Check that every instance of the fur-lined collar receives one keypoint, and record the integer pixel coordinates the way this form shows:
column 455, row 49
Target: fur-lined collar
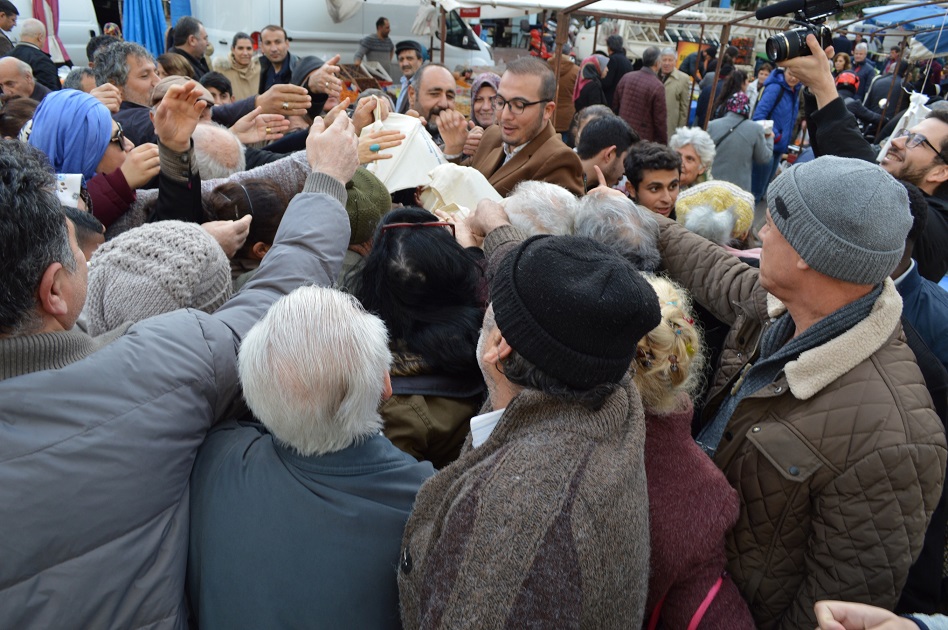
column 817, row 368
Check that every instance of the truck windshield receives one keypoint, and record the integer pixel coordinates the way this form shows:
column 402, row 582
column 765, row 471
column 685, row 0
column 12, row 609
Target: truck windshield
column 458, row 33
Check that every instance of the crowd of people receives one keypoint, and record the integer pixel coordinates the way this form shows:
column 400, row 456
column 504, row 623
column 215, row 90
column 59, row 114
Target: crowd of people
column 244, row 383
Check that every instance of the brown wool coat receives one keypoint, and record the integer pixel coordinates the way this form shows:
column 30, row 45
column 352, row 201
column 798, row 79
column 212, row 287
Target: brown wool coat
column 545, row 158
column 543, row 525
column 839, row 463
column 563, row 114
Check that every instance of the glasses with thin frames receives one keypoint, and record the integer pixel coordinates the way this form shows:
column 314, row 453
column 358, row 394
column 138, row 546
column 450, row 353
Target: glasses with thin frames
column 119, row 137
column 517, row 105
column 912, row 140
column 444, row 224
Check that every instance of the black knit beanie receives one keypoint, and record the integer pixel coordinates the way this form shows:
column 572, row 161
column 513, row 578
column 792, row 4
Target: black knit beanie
column 573, row 308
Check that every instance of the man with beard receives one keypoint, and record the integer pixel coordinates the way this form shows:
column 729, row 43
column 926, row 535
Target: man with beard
column 432, row 91
column 277, row 63
column 918, row 155
column 523, row 144
column 605, row 143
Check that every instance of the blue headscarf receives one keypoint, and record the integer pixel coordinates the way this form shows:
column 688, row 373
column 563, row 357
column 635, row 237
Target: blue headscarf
column 73, row 129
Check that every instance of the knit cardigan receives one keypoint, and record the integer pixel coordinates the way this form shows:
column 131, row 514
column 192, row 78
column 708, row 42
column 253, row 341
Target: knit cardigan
column 691, row 508
column 545, row 524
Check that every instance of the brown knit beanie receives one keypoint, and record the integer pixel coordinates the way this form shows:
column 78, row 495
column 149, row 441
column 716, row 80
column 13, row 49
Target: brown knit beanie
column 153, row 269
column 573, row 308
column 368, row 202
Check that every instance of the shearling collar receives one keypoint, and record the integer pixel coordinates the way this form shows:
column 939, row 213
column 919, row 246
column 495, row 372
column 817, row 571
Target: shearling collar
column 820, row 366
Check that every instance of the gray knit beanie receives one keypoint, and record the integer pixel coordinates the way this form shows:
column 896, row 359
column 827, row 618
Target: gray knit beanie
column 847, row 218
column 156, row 268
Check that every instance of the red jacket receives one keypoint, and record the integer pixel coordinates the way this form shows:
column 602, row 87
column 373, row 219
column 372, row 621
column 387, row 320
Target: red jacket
column 111, row 196
column 640, row 101
column 691, row 507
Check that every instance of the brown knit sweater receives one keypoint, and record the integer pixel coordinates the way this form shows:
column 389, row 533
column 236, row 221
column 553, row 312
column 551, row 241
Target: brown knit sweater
column 544, row 525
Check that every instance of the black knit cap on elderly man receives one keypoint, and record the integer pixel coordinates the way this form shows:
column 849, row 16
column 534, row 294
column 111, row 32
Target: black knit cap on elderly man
column 544, row 515
column 818, row 414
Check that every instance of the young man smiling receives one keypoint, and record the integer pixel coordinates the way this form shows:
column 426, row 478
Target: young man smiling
column 653, row 172
column 523, row 144
column 918, row 155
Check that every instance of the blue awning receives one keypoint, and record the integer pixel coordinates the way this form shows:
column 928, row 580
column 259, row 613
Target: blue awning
column 916, row 17
column 144, row 23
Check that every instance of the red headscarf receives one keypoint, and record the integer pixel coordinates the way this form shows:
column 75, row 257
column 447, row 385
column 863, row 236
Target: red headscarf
column 595, row 62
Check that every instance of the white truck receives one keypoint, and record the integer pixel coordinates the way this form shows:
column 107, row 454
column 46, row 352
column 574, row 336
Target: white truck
column 312, row 31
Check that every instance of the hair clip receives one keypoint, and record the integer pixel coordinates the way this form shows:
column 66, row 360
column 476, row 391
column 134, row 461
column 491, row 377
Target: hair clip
column 674, row 362
column 690, row 320
column 645, row 358
column 672, row 303
column 690, row 349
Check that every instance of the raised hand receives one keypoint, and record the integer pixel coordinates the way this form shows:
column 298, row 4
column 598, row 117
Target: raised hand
column 380, row 140
column 333, row 150
column 259, row 127
column 141, row 165
column 177, row 115
column 285, row 99
column 325, row 79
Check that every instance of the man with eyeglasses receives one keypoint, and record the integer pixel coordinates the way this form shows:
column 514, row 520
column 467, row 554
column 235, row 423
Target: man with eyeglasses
column 918, row 155
column 523, row 144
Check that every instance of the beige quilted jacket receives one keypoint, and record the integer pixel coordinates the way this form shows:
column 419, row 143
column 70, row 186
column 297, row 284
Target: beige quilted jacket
column 839, row 463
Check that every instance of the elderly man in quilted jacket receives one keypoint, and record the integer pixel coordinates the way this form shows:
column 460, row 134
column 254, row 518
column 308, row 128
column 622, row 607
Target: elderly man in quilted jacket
column 98, row 435
column 818, row 414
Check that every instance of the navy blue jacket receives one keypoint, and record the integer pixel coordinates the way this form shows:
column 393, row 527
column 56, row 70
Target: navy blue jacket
column 280, row 540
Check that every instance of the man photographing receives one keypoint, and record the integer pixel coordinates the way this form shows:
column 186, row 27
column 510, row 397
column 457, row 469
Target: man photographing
column 918, row 155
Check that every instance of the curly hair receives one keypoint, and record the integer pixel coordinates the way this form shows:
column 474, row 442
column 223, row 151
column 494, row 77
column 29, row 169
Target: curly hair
column 670, row 358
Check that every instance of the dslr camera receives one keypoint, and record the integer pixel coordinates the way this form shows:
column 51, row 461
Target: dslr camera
column 809, row 15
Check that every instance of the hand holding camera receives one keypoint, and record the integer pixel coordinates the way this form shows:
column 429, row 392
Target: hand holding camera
column 810, row 15
column 813, row 70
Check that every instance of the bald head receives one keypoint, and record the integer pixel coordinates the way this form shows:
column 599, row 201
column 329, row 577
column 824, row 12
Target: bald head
column 16, row 77
column 33, row 31
column 218, row 152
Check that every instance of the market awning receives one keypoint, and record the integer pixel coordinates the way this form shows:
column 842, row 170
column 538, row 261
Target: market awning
column 911, row 18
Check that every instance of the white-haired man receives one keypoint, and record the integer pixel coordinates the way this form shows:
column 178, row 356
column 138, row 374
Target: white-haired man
column 541, row 208
column 677, row 90
column 30, row 50
column 301, row 518
column 864, row 68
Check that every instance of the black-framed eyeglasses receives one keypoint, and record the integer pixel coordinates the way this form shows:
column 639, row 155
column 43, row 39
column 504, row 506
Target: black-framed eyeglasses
column 119, row 137
column 517, row 105
column 912, row 140
column 444, row 224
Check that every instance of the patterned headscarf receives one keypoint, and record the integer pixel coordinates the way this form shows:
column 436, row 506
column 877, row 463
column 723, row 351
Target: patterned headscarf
column 739, row 103
column 590, row 69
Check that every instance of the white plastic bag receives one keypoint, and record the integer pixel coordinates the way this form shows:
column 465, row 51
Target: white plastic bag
column 412, row 160
column 455, row 188
column 915, row 113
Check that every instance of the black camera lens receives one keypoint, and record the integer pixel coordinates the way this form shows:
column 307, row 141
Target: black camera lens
column 792, row 44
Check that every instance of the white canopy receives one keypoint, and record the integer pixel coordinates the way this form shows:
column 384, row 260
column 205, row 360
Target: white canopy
column 626, row 8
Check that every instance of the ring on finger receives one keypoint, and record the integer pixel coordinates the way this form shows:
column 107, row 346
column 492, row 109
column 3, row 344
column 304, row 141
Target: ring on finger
column 374, row 148
column 269, row 131
column 286, row 105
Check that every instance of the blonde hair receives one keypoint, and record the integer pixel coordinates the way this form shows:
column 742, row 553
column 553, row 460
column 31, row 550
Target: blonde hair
column 670, row 358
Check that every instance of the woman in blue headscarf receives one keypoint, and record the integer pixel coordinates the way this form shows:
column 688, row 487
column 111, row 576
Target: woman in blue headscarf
column 78, row 135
